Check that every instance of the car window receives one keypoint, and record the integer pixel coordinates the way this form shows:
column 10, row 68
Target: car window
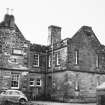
column 4, row 92
column 12, row 92
column 9, row 92
column 17, row 92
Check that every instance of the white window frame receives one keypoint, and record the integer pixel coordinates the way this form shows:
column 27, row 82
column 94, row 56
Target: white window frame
column 17, row 79
column 35, row 60
column 38, row 82
column 58, row 57
column 49, row 64
column 76, row 56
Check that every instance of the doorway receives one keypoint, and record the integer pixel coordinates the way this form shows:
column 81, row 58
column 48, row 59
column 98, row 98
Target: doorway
column 103, row 100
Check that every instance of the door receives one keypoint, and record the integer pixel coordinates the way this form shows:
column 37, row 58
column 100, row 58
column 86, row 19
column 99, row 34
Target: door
column 103, row 100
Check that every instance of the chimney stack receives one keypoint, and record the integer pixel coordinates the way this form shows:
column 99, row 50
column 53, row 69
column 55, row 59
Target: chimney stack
column 9, row 20
column 54, row 34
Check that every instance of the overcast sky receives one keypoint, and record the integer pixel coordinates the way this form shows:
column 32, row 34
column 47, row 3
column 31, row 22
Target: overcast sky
column 34, row 16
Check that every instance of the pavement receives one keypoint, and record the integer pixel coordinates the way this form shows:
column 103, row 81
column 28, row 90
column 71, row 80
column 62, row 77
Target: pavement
column 57, row 103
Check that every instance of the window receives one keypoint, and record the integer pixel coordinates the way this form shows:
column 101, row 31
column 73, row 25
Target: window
column 53, row 84
column 76, row 56
column 32, row 82
column 49, row 64
column 98, row 80
column 38, row 82
column 15, row 81
column 57, row 57
column 36, row 60
column 17, row 52
column 97, row 61
column 76, row 83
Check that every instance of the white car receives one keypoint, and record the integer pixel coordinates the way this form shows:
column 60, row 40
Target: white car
column 14, row 96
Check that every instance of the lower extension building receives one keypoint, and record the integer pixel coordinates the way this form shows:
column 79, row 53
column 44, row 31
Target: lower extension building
column 64, row 70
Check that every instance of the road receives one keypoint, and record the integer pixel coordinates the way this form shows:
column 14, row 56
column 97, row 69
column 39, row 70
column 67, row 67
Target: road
column 56, row 103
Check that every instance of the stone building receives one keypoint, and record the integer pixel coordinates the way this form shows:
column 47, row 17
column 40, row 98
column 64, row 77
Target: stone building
column 14, row 54
column 78, row 65
column 64, row 70
column 22, row 64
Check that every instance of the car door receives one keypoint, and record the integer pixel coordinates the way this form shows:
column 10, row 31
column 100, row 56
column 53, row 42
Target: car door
column 14, row 96
column 9, row 96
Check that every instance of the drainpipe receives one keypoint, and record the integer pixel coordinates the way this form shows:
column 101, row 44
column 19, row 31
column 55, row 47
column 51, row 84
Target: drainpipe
column 46, row 74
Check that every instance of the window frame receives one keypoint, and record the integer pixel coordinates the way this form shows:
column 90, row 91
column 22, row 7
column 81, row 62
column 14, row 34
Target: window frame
column 35, row 60
column 76, row 57
column 17, row 79
column 32, row 82
column 49, row 61
column 98, row 81
column 38, row 82
column 58, row 58
column 97, row 61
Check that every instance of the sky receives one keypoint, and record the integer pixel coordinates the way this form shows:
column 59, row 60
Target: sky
column 34, row 16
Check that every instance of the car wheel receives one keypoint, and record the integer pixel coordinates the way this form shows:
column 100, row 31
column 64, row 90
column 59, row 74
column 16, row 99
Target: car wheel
column 7, row 103
column 22, row 102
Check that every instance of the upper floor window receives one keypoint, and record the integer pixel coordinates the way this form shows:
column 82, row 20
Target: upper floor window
column 57, row 57
column 49, row 61
column 76, row 56
column 15, row 81
column 36, row 60
column 97, row 61
column 17, row 52
column 103, row 59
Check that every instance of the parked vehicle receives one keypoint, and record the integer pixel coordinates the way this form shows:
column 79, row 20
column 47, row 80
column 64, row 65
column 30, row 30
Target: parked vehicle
column 13, row 96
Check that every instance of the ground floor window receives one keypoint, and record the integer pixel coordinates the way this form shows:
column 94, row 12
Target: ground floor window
column 32, row 82
column 15, row 81
column 38, row 82
column 35, row 82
